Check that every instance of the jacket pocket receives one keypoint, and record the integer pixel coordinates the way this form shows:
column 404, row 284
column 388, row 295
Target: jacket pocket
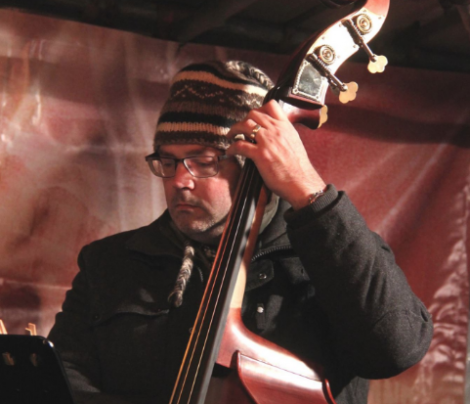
column 131, row 341
column 99, row 317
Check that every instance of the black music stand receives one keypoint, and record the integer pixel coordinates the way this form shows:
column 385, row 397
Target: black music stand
column 31, row 372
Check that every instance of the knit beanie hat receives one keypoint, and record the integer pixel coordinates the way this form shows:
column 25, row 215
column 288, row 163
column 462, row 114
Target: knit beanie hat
column 206, row 99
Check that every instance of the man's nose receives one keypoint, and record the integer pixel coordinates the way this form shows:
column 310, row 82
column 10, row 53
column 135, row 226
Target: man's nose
column 183, row 178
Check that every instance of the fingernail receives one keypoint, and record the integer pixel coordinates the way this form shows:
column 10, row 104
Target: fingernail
column 238, row 137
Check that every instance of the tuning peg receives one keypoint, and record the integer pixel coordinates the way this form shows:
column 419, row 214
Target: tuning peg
column 323, row 115
column 3, row 330
column 361, row 26
column 377, row 64
column 350, row 93
column 347, row 92
column 31, row 329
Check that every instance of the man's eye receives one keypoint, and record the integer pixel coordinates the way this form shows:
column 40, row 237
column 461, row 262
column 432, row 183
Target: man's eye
column 167, row 163
column 204, row 162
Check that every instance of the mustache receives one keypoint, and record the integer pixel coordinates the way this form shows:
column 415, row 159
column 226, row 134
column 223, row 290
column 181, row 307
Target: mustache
column 186, row 199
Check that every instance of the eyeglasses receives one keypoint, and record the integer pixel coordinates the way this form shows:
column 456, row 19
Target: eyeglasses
column 198, row 166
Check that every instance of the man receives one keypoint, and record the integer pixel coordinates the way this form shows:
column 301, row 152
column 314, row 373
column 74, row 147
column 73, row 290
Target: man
column 322, row 285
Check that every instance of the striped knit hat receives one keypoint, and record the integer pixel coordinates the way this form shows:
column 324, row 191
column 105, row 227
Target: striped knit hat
column 206, row 99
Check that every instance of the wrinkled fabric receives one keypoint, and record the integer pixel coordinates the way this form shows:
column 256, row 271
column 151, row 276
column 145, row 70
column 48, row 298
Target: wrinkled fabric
column 78, row 112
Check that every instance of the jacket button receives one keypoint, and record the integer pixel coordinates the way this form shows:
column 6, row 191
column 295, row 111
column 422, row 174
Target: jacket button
column 96, row 317
column 260, row 309
column 262, row 276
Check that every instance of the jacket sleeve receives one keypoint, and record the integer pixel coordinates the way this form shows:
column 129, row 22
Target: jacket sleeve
column 72, row 336
column 379, row 328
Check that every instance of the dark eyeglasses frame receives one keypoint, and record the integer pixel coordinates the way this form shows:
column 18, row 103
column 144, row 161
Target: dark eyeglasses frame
column 156, row 156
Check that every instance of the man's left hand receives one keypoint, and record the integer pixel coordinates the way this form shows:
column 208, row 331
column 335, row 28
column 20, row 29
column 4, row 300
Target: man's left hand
column 278, row 153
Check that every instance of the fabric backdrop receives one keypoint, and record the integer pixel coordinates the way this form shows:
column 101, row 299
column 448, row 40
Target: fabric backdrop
column 77, row 112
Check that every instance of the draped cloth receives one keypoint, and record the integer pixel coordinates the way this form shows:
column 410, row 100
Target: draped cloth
column 77, row 114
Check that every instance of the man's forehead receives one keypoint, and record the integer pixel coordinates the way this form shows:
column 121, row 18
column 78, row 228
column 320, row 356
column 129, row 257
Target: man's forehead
column 181, row 150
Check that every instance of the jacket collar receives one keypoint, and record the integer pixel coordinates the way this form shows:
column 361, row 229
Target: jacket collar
column 158, row 238
column 275, row 234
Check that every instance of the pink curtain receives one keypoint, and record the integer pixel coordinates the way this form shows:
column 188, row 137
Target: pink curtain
column 77, row 114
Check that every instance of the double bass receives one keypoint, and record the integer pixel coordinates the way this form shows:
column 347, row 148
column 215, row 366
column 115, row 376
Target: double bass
column 262, row 372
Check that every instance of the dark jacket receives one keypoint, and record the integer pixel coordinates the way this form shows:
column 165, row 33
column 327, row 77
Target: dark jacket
column 328, row 289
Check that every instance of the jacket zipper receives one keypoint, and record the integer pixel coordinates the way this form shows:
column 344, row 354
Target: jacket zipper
column 201, row 275
column 270, row 251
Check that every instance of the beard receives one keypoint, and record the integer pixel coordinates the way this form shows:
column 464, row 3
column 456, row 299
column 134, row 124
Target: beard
column 199, row 222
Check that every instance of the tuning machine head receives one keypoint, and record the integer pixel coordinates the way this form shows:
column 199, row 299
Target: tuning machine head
column 347, row 91
column 359, row 26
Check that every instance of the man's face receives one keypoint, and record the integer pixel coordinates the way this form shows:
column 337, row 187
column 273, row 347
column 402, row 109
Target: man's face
column 199, row 206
